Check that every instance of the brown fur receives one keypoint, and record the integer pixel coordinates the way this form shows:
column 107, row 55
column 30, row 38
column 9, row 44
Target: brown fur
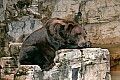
column 40, row 46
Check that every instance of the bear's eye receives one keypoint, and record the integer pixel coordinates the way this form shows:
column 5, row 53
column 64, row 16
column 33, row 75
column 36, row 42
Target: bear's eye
column 78, row 34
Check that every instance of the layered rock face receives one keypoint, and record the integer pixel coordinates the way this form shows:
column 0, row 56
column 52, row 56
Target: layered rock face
column 72, row 64
column 102, row 18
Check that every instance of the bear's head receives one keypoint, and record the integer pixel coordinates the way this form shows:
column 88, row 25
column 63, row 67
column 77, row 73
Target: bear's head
column 65, row 34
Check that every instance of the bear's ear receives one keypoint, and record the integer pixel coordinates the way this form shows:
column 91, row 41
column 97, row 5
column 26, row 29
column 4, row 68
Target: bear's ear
column 70, row 27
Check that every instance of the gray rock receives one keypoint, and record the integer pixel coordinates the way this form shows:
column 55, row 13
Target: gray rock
column 77, row 64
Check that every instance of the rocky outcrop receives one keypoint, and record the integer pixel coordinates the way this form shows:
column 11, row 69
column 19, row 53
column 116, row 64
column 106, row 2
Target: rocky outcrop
column 28, row 72
column 72, row 64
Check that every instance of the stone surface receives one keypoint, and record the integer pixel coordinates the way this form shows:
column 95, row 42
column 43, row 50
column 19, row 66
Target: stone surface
column 84, row 64
column 8, row 68
column 23, row 27
column 72, row 64
column 28, row 72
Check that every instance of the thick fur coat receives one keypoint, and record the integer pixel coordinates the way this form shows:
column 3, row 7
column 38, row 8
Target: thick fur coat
column 40, row 46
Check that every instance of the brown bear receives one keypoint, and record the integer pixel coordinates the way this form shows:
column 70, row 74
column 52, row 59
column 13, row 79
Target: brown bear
column 40, row 46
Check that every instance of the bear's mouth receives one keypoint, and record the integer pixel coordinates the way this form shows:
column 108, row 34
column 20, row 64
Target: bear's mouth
column 83, row 44
column 70, row 46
